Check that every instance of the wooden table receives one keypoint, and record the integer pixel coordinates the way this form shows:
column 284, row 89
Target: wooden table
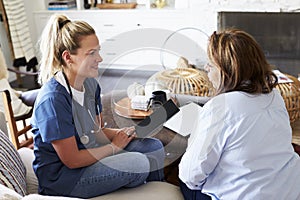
column 174, row 144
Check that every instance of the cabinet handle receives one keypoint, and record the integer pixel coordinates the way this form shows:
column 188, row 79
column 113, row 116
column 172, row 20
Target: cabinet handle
column 111, row 54
column 110, row 40
column 108, row 25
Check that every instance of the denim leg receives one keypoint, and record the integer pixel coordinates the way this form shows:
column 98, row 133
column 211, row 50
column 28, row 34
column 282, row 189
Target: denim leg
column 128, row 169
column 154, row 150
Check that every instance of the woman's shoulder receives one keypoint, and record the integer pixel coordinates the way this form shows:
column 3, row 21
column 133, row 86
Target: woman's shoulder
column 241, row 102
column 52, row 89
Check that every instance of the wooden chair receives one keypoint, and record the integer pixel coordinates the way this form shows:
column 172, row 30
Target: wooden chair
column 15, row 133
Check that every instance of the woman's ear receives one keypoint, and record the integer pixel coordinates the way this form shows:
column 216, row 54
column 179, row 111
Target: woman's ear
column 67, row 57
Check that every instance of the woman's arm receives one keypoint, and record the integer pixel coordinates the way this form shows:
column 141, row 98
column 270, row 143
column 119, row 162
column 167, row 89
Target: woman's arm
column 72, row 157
column 205, row 147
column 107, row 134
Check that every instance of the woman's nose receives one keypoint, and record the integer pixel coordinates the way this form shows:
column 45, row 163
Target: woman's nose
column 99, row 59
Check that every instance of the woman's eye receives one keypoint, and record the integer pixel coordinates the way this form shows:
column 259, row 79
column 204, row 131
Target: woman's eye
column 92, row 53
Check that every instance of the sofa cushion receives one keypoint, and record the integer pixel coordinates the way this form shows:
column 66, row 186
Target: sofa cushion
column 8, row 194
column 44, row 197
column 27, row 157
column 151, row 190
column 12, row 169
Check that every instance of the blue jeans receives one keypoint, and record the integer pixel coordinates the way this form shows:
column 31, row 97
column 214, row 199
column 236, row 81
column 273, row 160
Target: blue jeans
column 142, row 160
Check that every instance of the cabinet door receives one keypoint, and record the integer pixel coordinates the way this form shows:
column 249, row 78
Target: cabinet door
column 139, row 37
column 129, row 38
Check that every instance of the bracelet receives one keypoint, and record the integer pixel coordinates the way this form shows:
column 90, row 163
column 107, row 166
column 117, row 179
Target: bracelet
column 113, row 148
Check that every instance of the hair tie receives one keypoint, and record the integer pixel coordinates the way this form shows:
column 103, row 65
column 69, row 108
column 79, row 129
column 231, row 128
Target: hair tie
column 63, row 23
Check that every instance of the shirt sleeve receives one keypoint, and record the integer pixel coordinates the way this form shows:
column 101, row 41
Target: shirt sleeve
column 204, row 149
column 54, row 118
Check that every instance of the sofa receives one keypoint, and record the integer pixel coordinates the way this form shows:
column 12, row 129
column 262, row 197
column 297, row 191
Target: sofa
column 18, row 181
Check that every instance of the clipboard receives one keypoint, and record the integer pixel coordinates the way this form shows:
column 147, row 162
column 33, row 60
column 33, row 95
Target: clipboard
column 183, row 122
column 148, row 125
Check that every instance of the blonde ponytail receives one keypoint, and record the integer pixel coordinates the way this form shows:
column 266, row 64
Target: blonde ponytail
column 59, row 34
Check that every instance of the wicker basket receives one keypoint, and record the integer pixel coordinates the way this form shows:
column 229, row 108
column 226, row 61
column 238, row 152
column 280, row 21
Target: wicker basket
column 181, row 81
column 291, row 95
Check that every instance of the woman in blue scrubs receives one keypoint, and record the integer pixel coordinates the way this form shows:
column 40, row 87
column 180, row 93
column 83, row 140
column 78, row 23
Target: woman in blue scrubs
column 74, row 154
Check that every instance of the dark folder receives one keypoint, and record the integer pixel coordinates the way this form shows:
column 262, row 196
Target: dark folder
column 148, row 125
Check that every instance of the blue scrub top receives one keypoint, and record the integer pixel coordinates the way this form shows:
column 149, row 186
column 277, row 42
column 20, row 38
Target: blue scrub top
column 54, row 119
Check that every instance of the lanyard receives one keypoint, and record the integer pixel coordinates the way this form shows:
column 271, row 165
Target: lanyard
column 68, row 84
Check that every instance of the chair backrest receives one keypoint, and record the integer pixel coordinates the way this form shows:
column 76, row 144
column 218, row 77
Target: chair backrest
column 18, row 135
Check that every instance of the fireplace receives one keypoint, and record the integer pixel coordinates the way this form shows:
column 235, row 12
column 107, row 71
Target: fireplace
column 277, row 33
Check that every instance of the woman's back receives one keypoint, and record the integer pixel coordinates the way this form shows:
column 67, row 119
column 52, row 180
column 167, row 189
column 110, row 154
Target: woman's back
column 250, row 146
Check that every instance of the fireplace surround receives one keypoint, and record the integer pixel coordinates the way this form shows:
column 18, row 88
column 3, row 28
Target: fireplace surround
column 278, row 33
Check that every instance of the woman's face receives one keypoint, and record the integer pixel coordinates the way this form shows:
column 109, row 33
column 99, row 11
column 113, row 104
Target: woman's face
column 87, row 57
column 214, row 74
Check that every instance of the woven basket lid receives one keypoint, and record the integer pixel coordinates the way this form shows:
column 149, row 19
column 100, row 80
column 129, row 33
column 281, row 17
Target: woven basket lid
column 291, row 96
column 181, row 81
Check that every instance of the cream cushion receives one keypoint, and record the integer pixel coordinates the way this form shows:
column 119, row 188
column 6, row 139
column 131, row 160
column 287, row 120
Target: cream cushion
column 27, row 157
column 151, row 191
column 8, row 194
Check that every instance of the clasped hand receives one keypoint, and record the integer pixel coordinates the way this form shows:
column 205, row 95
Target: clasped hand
column 124, row 136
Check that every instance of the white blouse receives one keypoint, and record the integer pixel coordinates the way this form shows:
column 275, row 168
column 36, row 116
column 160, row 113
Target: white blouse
column 240, row 148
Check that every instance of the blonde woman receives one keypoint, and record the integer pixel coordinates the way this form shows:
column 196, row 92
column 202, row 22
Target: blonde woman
column 74, row 154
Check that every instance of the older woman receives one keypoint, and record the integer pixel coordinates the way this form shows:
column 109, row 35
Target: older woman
column 241, row 146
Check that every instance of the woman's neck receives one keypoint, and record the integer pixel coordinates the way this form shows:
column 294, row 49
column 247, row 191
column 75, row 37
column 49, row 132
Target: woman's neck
column 75, row 81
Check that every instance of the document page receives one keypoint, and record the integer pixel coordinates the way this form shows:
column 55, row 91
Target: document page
column 184, row 121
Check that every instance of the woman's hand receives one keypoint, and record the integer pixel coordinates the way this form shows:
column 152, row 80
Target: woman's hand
column 123, row 137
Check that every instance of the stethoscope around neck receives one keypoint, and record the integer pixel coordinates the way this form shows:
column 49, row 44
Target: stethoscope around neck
column 84, row 138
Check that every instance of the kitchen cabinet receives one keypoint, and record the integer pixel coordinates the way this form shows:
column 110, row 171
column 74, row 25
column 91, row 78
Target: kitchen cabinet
column 122, row 32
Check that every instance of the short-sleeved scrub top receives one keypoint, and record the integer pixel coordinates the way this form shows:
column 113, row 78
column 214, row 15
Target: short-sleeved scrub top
column 57, row 116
